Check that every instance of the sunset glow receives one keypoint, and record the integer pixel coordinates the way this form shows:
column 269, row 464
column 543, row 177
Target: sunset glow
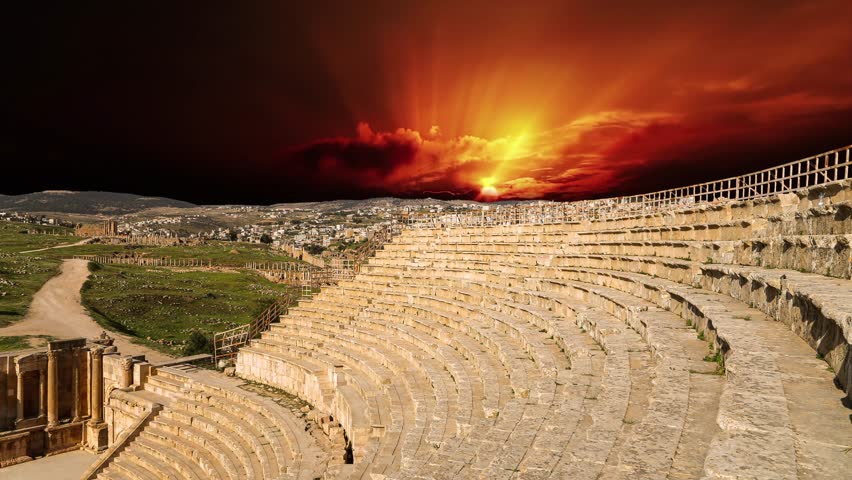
column 549, row 99
column 549, row 118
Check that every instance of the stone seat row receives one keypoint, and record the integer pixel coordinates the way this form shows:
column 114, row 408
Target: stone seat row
column 210, row 431
column 822, row 254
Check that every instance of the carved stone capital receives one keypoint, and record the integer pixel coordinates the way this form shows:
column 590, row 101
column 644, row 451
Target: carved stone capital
column 126, row 363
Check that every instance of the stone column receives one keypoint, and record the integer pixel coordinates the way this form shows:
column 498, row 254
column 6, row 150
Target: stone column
column 126, row 372
column 97, row 382
column 42, row 393
column 75, row 372
column 52, row 388
column 19, row 394
column 97, row 432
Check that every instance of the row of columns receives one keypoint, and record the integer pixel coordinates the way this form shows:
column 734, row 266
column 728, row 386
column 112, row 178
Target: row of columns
column 49, row 387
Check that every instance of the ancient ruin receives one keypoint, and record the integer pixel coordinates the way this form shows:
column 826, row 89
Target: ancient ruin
column 106, row 228
column 701, row 332
column 54, row 398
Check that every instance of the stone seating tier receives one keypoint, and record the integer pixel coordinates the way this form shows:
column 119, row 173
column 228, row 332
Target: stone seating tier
column 821, row 254
column 700, row 343
column 814, row 306
column 509, row 272
column 211, row 429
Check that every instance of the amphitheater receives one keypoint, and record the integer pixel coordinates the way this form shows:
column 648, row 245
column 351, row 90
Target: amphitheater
column 700, row 332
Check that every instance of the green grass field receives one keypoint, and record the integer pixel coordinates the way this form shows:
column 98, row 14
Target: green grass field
column 13, row 343
column 223, row 253
column 227, row 254
column 161, row 307
column 14, row 237
column 22, row 342
column 21, row 275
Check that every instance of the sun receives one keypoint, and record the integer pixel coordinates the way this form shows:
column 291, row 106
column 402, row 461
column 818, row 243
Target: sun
column 488, row 190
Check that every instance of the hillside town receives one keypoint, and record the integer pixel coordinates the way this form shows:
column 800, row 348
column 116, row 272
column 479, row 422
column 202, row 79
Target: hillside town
column 302, row 226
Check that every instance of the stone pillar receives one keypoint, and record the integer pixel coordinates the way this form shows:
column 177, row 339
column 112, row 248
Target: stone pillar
column 97, row 382
column 19, row 394
column 75, row 372
column 42, row 393
column 126, row 372
column 96, row 430
column 52, row 388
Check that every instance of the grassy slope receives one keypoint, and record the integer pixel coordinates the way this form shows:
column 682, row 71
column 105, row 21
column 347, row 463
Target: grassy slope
column 21, row 275
column 233, row 254
column 162, row 307
column 8, row 344
column 22, row 342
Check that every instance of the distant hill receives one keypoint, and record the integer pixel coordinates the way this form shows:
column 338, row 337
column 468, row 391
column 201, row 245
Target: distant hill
column 109, row 203
column 86, row 203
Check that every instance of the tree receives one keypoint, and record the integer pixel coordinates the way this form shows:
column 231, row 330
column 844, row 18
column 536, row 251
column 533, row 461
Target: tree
column 265, row 238
column 314, row 249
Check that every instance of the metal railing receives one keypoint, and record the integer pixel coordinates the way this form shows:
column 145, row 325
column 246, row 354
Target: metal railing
column 808, row 172
column 227, row 343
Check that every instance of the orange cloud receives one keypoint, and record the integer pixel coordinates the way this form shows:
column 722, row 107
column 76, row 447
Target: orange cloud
column 607, row 153
column 545, row 164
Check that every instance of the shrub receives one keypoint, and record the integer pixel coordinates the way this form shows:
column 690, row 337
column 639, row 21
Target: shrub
column 198, row 343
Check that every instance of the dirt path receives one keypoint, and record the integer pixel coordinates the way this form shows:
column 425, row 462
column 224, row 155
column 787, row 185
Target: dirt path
column 56, row 311
column 66, row 245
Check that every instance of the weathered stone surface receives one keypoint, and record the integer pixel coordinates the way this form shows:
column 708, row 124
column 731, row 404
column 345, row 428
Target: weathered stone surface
column 699, row 343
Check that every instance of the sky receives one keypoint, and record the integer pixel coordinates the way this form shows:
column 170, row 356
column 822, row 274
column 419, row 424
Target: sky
column 263, row 102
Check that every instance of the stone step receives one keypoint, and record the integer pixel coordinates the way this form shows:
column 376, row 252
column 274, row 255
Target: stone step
column 126, row 465
column 165, row 386
column 204, row 460
column 150, row 464
column 180, row 424
column 185, row 467
column 208, row 419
